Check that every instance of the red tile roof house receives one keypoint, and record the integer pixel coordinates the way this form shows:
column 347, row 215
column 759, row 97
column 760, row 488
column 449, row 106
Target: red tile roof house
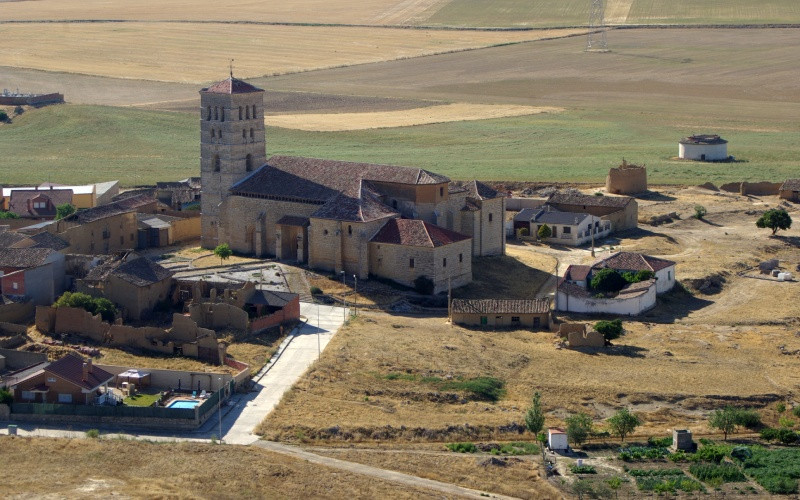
column 70, row 380
column 36, row 273
column 574, row 294
column 38, row 203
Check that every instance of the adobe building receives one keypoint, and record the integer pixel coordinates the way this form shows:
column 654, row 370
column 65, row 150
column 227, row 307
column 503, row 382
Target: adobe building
column 326, row 213
column 500, row 313
column 627, row 179
column 621, row 211
column 790, row 190
column 705, row 147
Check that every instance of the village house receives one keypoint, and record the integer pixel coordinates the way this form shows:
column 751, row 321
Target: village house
column 575, row 294
column 502, row 313
column 83, row 196
column 621, row 211
column 38, row 204
column 70, row 380
column 566, row 228
column 134, row 283
column 790, row 190
column 35, row 273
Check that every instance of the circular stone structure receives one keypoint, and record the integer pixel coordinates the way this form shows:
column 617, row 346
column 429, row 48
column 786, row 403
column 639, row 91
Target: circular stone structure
column 705, row 147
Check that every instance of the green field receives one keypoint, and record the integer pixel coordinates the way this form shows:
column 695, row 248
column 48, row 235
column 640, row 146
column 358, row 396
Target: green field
column 548, row 13
column 76, row 144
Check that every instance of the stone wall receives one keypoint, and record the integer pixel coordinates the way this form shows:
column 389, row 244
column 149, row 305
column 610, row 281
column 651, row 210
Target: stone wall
column 17, row 360
column 16, row 312
column 394, row 262
column 184, row 229
column 249, row 226
column 219, row 315
column 752, row 188
column 589, row 338
column 627, row 179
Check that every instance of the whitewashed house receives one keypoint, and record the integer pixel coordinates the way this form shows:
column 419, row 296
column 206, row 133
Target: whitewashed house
column 567, row 228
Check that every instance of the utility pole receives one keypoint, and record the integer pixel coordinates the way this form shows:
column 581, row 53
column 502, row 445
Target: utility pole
column 319, row 329
column 592, row 229
column 449, row 301
column 597, row 32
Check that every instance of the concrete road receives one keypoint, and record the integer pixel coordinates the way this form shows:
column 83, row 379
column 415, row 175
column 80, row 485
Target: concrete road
column 291, row 361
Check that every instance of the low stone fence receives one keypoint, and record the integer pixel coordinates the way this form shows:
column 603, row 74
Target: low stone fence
column 16, row 312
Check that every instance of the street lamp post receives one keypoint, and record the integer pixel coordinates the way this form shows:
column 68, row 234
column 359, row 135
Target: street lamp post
column 355, row 298
column 319, row 327
column 344, row 299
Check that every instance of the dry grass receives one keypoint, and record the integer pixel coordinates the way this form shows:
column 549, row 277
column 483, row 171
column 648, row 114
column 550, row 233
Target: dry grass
column 214, row 261
column 201, row 52
column 517, row 275
column 88, row 468
column 668, row 373
column 370, row 293
column 518, row 478
column 332, row 122
column 256, row 350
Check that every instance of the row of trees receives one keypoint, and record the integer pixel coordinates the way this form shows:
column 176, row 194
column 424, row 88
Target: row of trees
column 623, row 422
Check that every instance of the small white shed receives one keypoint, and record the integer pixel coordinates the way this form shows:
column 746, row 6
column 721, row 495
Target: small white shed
column 557, row 439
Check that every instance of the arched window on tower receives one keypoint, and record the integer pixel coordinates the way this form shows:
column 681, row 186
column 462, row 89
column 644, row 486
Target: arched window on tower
column 247, row 112
column 217, row 163
column 248, row 163
column 213, row 134
column 244, row 135
column 254, row 111
column 240, row 112
column 252, row 136
column 216, row 113
column 208, row 115
column 222, row 114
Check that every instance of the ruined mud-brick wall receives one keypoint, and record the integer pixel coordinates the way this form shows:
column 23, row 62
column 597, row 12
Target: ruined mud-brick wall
column 627, row 179
column 753, row 188
column 590, row 339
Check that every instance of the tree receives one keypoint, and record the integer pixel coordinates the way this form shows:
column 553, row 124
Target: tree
column 699, row 212
column 608, row 280
column 8, row 215
column 775, row 218
column 610, row 330
column 623, row 423
column 578, row 428
column 223, row 251
column 544, row 232
column 4, row 117
column 64, row 210
column 534, row 417
column 724, row 420
column 6, row 398
column 104, row 307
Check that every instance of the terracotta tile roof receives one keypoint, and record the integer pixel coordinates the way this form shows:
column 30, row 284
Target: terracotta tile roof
column 572, row 289
column 791, row 185
column 630, row 261
column 23, row 258
column 118, row 207
column 49, row 240
column 22, row 201
column 231, row 86
column 577, row 273
column 318, row 180
column 270, row 298
column 416, row 233
column 501, row 306
column 10, row 238
column 703, row 139
column 364, row 208
column 70, row 368
column 138, row 271
column 589, row 201
column 470, row 206
column 637, row 288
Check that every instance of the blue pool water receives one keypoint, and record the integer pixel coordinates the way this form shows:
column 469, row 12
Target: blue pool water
column 183, row 404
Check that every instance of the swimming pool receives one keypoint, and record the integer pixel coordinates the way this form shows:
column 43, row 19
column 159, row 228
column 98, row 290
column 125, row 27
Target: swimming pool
column 183, row 404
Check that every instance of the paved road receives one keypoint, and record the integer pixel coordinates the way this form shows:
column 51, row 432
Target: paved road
column 294, row 357
column 367, row 470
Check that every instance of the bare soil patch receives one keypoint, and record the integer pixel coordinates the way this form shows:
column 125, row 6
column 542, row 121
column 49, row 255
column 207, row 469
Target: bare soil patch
column 456, row 112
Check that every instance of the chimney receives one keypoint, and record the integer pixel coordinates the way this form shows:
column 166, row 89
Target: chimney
column 89, row 364
column 85, row 372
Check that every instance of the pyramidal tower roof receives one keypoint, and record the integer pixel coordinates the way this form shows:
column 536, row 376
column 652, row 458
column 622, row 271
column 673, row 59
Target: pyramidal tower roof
column 231, row 86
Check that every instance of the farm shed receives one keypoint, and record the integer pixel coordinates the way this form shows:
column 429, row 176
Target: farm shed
column 790, row 190
column 531, row 313
column 557, row 440
column 706, row 147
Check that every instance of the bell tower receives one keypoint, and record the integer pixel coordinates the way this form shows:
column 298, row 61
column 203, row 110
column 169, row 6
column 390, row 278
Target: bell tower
column 232, row 144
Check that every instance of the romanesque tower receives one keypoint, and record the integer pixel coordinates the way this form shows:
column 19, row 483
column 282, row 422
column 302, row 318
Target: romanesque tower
column 232, row 144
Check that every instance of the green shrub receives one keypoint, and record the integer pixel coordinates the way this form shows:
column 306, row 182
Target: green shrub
column 727, row 472
column 635, row 453
column 6, row 398
column 544, row 232
column 664, row 442
column 3, row 116
column 710, row 453
column 777, row 470
column 796, row 411
column 462, row 447
column 610, row 330
column 748, row 418
column 315, row 290
column 655, row 472
column 787, row 436
column 481, row 388
column 424, row 285
column 583, row 469
column 608, row 281
column 8, row 215
column 678, row 456
column 93, row 433
column 780, row 407
column 769, row 434
column 786, row 422
column 516, row 448
column 638, row 276
column 104, row 307
column 699, row 212
column 741, row 453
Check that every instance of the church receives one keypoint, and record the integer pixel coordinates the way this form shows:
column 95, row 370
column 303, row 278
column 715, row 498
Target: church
column 363, row 219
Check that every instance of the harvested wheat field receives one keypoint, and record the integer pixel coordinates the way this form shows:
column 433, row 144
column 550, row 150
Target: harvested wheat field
column 456, row 112
column 89, row 468
column 184, row 52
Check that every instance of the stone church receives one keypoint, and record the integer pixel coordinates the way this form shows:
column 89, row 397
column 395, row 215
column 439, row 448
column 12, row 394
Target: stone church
column 361, row 218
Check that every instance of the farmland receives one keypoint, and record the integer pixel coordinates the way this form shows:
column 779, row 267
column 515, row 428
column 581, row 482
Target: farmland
column 502, row 13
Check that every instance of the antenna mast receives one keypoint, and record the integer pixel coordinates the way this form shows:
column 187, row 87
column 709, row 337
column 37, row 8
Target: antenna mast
column 597, row 33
